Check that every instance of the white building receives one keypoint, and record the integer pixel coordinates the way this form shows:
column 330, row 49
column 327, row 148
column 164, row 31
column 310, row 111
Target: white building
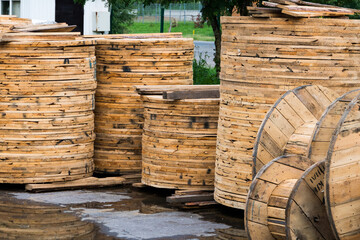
column 59, row 11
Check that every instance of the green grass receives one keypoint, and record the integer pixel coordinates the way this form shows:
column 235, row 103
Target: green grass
column 203, row 73
column 201, row 34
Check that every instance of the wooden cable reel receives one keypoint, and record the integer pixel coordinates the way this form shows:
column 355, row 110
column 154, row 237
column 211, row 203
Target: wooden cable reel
column 262, row 58
column 293, row 208
column 122, row 64
column 179, row 141
column 46, row 110
column 342, row 195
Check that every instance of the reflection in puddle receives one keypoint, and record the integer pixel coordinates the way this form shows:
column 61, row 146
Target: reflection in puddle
column 72, row 197
column 107, row 214
column 231, row 234
column 29, row 220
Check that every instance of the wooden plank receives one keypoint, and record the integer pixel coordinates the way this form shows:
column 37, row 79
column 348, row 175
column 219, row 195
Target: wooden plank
column 190, row 198
column 90, row 182
column 159, row 90
column 192, row 94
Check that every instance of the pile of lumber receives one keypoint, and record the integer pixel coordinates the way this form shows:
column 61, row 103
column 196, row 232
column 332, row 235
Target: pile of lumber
column 121, row 64
column 7, row 22
column 14, row 24
column 31, row 220
column 299, row 9
column 192, row 198
column 46, row 101
column 262, row 58
column 179, row 137
column 306, row 165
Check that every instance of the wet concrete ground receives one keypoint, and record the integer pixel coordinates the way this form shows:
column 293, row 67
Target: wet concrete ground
column 111, row 213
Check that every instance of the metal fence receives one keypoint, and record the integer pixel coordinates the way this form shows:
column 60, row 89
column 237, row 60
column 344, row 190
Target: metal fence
column 175, row 11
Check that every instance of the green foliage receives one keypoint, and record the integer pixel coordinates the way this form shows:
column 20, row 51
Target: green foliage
column 82, row 2
column 203, row 73
column 341, row 3
column 122, row 16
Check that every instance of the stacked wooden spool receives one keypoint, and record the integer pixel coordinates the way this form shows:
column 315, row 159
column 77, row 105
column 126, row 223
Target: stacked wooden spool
column 179, row 138
column 121, row 64
column 29, row 220
column 261, row 59
column 286, row 199
column 46, row 104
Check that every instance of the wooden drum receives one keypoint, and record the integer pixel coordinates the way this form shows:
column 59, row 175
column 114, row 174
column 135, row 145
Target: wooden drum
column 179, row 141
column 121, row 64
column 46, row 110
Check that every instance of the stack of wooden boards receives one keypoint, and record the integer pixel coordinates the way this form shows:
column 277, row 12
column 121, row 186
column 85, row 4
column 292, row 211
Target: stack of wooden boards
column 299, row 8
column 306, row 165
column 22, row 220
column 7, row 23
column 261, row 59
column 179, row 138
column 10, row 23
column 121, row 64
column 46, row 102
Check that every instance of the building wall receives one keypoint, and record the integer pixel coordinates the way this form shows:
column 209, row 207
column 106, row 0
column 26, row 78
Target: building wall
column 89, row 8
column 43, row 10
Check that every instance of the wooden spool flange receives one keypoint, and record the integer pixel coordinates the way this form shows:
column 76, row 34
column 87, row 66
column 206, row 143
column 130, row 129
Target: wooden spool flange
column 295, row 208
column 342, row 191
column 289, row 125
column 286, row 202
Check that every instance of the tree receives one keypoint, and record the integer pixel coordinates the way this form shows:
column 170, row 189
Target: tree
column 341, row 3
column 121, row 14
column 211, row 11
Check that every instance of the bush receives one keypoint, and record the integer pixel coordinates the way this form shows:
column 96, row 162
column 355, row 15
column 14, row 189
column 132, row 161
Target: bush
column 203, row 73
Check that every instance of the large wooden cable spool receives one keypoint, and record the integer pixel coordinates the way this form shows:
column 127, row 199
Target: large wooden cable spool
column 179, row 139
column 46, row 110
column 289, row 124
column 342, row 195
column 121, row 64
column 325, row 127
column 296, row 208
column 261, row 60
column 286, row 201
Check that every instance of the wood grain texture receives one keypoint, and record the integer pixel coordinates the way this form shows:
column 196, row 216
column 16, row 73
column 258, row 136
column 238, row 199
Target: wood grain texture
column 268, row 196
column 30, row 220
column 179, row 142
column 46, row 103
column 289, row 125
column 342, row 195
column 122, row 64
column 261, row 60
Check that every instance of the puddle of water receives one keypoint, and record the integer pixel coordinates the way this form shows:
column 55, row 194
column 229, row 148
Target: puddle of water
column 72, row 197
column 107, row 214
column 136, row 225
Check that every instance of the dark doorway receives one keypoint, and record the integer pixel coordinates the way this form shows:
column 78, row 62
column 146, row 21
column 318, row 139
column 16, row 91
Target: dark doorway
column 71, row 13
